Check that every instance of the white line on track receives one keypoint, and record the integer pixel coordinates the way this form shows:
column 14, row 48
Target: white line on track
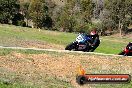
column 52, row 50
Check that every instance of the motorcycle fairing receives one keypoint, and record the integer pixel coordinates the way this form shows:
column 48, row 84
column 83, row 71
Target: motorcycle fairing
column 82, row 38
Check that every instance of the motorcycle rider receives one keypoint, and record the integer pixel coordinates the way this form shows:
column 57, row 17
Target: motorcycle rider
column 94, row 40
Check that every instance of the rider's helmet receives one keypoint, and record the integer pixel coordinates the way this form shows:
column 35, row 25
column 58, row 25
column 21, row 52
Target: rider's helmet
column 93, row 33
column 129, row 46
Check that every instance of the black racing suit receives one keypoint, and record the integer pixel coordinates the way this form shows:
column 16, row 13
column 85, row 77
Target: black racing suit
column 95, row 42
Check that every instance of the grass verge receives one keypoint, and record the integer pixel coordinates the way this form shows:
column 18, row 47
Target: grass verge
column 20, row 36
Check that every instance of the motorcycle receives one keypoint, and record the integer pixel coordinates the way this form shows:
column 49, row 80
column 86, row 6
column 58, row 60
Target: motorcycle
column 127, row 51
column 82, row 43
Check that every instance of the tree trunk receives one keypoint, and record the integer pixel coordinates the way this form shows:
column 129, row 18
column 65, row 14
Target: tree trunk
column 119, row 28
column 27, row 22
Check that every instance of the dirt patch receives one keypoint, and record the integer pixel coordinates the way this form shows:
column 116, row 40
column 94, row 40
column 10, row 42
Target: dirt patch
column 33, row 66
column 43, row 45
column 32, row 44
column 115, row 40
column 128, row 36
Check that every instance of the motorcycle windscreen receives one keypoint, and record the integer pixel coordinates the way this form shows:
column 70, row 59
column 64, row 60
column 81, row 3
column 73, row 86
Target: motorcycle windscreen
column 80, row 38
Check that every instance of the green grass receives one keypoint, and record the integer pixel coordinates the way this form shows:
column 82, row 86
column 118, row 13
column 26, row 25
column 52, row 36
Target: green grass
column 4, row 52
column 110, row 47
column 11, row 35
column 3, row 85
column 15, row 33
column 125, row 85
column 50, row 82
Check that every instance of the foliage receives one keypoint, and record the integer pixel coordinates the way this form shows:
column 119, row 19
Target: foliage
column 21, row 23
column 65, row 19
column 8, row 8
column 18, row 20
column 119, row 10
column 24, row 9
column 87, row 10
column 37, row 12
column 98, row 8
column 75, row 16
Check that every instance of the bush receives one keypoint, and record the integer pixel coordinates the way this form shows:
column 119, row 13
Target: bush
column 106, row 26
column 47, row 22
column 21, row 23
column 65, row 20
column 8, row 8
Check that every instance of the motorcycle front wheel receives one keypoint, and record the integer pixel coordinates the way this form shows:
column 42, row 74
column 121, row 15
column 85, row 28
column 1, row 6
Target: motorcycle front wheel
column 71, row 46
column 121, row 53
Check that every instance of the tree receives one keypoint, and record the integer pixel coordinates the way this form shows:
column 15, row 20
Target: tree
column 47, row 22
column 98, row 8
column 38, row 11
column 24, row 9
column 119, row 10
column 87, row 8
column 8, row 8
column 75, row 16
column 65, row 19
